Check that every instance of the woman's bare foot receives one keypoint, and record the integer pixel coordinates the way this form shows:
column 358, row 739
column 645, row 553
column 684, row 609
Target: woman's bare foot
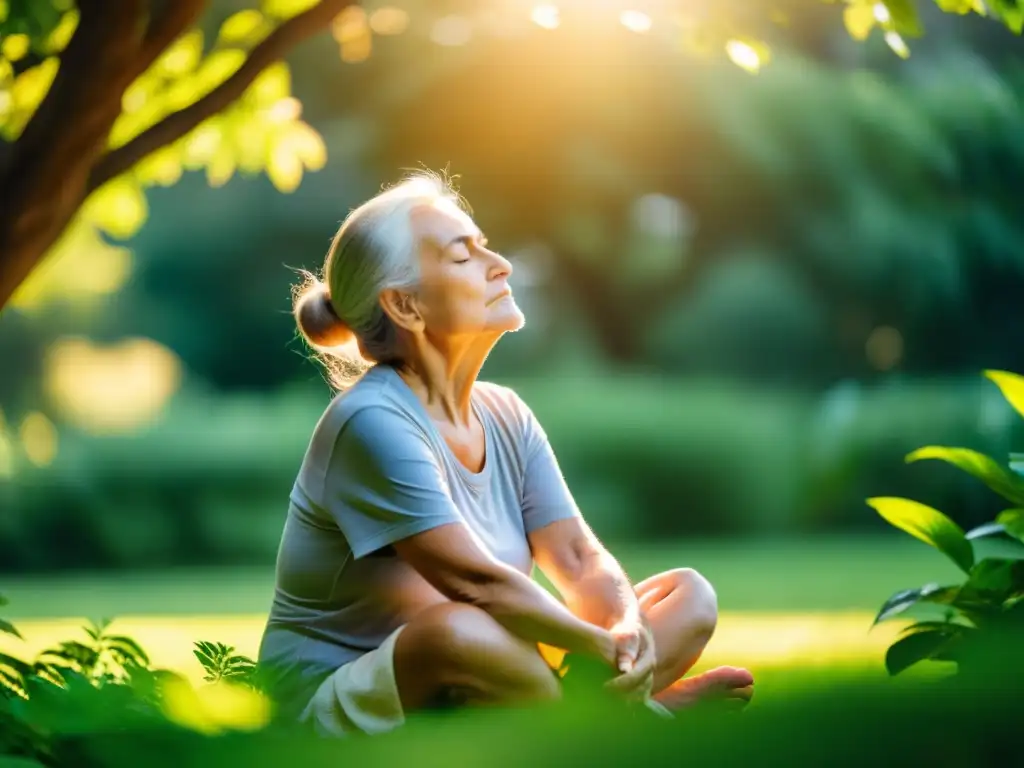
column 734, row 685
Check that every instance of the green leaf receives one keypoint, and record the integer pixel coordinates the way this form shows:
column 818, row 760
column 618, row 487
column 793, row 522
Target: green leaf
column 9, row 629
column 15, row 47
column 284, row 9
column 284, row 166
column 241, row 26
column 6, row 761
column 961, row 7
column 1012, row 521
column 990, row 577
column 308, row 146
column 898, row 45
column 929, row 525
column 904, row 599
column 119, row 207
column 993, row 581
column 988, row 529
column 859, row 19
column 904, row 16
column 1000, row 479
column 916, row 647
column 1012, row 387
column 129, row 648
column 272, row 84
column 1008, row 523
column 13, row 662
column 182, row 56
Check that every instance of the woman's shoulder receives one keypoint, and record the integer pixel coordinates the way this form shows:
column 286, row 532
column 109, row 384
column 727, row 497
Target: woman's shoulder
column 504, row 403
column 374, row 402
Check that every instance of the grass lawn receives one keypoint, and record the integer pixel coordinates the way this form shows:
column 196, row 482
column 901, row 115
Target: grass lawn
column 785, row 605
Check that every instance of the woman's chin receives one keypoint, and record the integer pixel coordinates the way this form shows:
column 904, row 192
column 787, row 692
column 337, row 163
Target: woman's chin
column 506, row 317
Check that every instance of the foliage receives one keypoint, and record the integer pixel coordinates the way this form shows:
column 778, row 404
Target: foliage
column 161, row 721
column 984, row 615
column 224, row 105
column 106, row 684
column 759, row 462
column 261, row 131
column 222, row 663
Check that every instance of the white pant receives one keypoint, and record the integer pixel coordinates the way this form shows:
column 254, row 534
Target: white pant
column 359, row 697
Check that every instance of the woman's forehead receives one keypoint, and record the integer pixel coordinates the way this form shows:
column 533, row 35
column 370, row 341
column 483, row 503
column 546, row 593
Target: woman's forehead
column 442, row 221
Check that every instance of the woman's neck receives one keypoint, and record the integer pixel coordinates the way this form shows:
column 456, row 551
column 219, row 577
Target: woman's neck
column 444, row 379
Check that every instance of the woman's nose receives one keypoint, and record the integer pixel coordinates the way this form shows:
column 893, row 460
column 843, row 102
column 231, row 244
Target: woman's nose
column 502, row 267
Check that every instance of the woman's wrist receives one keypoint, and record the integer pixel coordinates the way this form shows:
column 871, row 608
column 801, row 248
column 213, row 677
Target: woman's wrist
column 600, row 643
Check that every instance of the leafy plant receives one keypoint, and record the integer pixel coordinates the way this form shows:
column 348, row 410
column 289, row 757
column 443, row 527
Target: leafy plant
column 222, row 663
column 12, row 669
column 103, row 657
column 983, row 615
column 105, row 684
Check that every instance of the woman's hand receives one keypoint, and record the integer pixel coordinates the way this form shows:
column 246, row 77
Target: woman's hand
column 635, row 660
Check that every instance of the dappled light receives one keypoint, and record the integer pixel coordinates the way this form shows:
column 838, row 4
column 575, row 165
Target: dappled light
column 110, row 388
column 39, row 439
column 761, row 641
column 82, row 268
column 546, row 16
column 770, row 261
column 635, row 21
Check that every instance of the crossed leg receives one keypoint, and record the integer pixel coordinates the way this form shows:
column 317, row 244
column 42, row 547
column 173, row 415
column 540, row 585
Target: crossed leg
column 456, row 653
column 682, row 610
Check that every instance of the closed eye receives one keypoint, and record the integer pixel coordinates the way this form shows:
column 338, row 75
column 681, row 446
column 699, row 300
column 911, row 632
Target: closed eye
column 470, row 242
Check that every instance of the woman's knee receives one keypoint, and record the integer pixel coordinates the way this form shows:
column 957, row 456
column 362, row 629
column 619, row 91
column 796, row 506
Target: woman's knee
column 699, row 597
column 453, row 645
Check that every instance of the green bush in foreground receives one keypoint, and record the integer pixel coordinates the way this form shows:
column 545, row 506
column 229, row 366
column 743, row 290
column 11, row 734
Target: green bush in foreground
column 97, row 702
column 987, row 608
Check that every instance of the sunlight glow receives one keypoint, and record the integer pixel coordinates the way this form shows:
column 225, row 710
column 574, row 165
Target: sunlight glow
column 352, row 32
column 898, row 44
column 882, row 13
column 743, row 55
column 451, row 31
column 756, row 640
column 285, row 110
column 350, row 24
column 546, row 16
column 884, row 348
column 81, row 267
column 6, row 451
column 389, row 21
column 39, row 439
column 635, row 21
column 110, row 389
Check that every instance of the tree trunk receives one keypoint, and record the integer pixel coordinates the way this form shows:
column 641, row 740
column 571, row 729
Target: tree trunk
column 45, row 181
column 61, row 157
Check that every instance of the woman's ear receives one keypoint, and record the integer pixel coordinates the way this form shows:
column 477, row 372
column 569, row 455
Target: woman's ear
column 402, row 309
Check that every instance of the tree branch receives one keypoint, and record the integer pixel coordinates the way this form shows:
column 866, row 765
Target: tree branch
column 45, row 172
column 167, row 20
column 274, row 47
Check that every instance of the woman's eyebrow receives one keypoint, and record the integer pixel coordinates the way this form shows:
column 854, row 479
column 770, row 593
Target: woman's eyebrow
column 462, row 238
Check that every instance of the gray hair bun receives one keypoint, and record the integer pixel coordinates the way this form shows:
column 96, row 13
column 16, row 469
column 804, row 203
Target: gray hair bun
column 317, row 319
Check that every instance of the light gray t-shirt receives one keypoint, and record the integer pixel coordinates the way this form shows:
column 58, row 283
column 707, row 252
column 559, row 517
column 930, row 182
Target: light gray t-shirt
column 377, row 471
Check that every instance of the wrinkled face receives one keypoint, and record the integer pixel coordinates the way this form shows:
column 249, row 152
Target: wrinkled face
column 464, row 288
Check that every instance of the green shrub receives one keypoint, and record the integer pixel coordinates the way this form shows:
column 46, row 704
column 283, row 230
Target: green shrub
column 647, row 458
column 145, row 717
column 983, row 617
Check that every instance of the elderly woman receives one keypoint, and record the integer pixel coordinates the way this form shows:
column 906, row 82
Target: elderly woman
column 426, row 497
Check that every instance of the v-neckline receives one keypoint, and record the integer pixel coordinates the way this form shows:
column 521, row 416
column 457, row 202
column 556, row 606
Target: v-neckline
column 473, row 479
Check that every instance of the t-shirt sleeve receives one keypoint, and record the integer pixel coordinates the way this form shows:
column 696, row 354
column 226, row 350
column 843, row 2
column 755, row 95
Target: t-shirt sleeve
column 546, row 496
column 384, row 483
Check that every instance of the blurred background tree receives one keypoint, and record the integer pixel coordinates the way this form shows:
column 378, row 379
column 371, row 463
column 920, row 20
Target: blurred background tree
column 748, row 296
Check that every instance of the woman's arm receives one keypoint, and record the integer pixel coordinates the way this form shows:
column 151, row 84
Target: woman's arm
column 458, row 566
column 590, row 580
